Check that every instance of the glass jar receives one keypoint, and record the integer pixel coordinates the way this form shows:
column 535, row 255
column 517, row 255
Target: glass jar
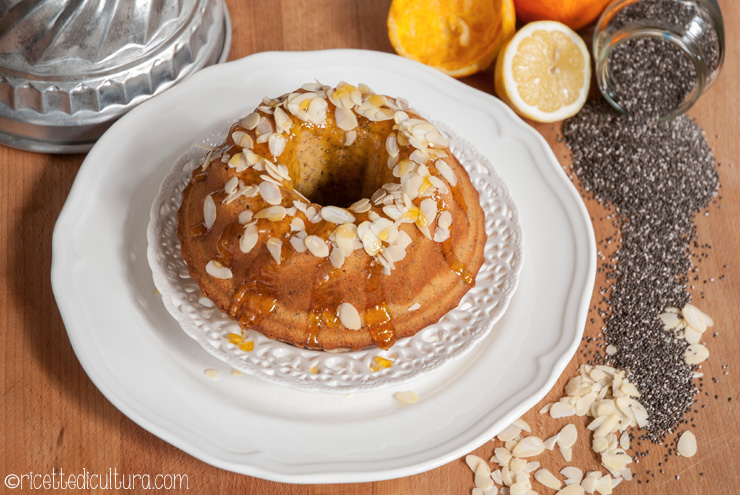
column 658, row 56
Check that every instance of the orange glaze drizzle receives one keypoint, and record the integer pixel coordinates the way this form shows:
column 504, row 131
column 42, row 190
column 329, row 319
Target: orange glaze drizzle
column 378, row 318
column 323, row 308
column 254, row 299
column 228, row 243
column 198, row 231
column 377, row 315
column 455, row 265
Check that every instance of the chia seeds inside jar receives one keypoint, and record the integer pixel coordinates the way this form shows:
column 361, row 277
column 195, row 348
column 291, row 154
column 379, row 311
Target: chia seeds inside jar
column 657, row 57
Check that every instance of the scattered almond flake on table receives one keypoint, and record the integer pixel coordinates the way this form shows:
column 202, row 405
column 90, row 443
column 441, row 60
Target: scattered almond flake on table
column 546, row 478
column 562, row 410
column 687, row 444
column 572, row 490
column 573, row 475
column 522, row 425
column 529, row 447
column 211, row 373
column 696, row 354
column 509, row 433
column 481, row 470
column 552, row 441
column 567, row 436
column 603, row 393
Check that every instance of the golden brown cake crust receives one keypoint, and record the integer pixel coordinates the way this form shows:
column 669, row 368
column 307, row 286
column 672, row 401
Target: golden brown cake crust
column 379, row 265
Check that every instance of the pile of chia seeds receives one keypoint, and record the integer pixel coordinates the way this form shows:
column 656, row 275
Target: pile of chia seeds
column 656, row 176
column 651, row 75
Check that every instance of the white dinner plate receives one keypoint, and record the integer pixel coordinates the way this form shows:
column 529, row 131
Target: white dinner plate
column 138, row 356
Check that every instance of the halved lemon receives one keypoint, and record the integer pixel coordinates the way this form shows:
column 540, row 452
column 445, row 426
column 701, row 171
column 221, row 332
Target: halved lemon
column 544, row 72
column 457, row 37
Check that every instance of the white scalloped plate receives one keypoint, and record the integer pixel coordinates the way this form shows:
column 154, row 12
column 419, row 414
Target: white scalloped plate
column 138, row 356
column 339, row 372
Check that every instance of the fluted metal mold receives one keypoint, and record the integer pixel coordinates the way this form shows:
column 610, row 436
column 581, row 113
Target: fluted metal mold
column 70, row 68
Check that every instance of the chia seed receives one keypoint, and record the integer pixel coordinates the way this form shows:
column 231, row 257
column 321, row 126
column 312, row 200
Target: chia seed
column 643, row 70
column 652, row 75
column 656, row 176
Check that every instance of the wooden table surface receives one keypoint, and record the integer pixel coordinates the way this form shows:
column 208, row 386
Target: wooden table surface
column 52, row 416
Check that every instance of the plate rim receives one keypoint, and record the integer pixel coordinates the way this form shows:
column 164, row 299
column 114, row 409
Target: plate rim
column 575, row 312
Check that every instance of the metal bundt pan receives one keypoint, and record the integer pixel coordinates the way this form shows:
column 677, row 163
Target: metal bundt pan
column 70, row 68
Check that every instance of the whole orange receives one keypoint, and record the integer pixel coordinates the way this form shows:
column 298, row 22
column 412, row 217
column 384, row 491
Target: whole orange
column 573, row 13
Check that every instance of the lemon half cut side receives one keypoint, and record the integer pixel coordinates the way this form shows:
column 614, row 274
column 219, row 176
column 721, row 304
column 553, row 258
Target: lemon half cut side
column 544, row 72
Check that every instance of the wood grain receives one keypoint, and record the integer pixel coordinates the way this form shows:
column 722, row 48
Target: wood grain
column 53, row 417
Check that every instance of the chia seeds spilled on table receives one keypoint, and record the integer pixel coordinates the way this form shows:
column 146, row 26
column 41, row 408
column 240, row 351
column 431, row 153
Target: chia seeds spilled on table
column 656, row 176
column 652, row 75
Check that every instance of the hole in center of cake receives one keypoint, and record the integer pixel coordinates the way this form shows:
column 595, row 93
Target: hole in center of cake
column 331, row 174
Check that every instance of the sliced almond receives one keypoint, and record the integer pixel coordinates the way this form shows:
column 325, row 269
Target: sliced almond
column 561, row 410
column 694, row 317
column 696, row 354
column 317, row 246
column 517, row 464
column 209, row 212
column 566, row 453
column 275, row 246
column 482, row 472
column 346, row 119
column 509, row 433
column 408, row 397
column 670, row 320
column 573, row 475
column 502, row 456
column 349, row 138
column 336, row 215
column 548, row 479
column 604, row 485
column 691, row 335
column 568, row 436
column 349, row 316
column 624, row 441
column 473, row 461
column 518, row 488
column 599, row 445
column 615, row 462
column 552, row 441
column 272, row 213
column 571, row 490
column 609, row 425
column 217, row 270
column 589, row 484
column 276, row 144
column 250, row 121
column 687, row 444
column 529, row 447
column 283, row 122
column 270, row 193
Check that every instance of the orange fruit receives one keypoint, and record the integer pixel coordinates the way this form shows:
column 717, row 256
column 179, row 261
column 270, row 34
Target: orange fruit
column 457, row 37
column 573, row 13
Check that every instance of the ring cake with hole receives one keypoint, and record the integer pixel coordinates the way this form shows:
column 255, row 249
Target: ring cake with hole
column 333, row 218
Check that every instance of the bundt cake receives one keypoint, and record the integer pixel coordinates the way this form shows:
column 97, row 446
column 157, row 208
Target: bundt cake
column 332, row 218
